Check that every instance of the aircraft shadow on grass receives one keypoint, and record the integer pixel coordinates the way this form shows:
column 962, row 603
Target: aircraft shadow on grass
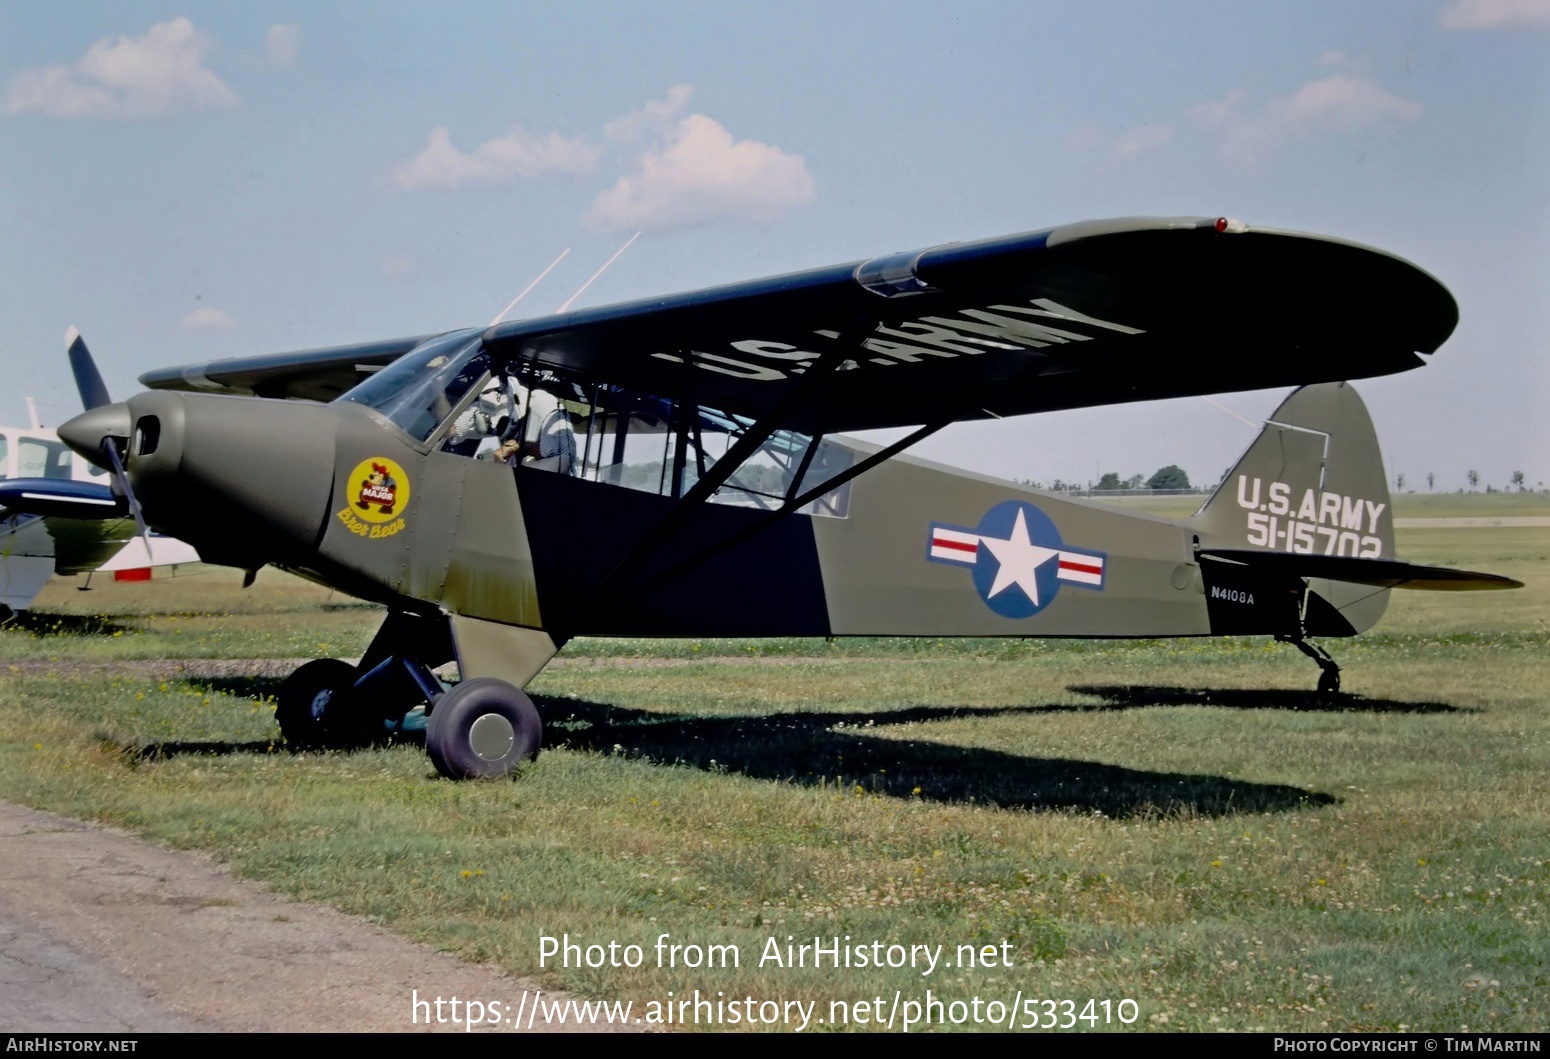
column 1137, row 696
column 812, row 749
column 843, row 750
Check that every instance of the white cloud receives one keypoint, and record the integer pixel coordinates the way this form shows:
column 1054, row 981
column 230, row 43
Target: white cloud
column 1119, row 146
column 282, row 45
column 656, row 117
column 1495, row 14
column 208, row 319
column 688, row 171
column 161, row 72
column 518, row 154
column 1340, row 104
column 700, row 177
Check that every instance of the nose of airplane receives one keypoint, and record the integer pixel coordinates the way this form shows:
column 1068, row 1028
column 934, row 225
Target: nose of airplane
column 85, row 432
column 244, row 480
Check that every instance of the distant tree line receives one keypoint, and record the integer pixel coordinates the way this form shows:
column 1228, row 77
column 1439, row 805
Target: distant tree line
column 1518, row 482
column 1169, row 477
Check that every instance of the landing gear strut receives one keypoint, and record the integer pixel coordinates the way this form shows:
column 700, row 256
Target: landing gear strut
column 1329, row 672
column 478, row 729
column 328, row 704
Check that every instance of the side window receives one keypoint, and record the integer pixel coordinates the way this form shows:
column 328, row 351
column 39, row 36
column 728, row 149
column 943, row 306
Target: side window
column 620, row 437
column 5, row 457
column 36, row 458
column 665, row 447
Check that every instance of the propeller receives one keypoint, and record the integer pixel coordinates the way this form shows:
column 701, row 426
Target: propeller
column 88, row 380
column 94, row 394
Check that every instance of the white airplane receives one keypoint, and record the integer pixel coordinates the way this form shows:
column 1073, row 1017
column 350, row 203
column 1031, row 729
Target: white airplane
column 37, row 466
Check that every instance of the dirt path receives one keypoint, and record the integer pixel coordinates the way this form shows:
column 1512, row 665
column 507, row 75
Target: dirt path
column 100, row 932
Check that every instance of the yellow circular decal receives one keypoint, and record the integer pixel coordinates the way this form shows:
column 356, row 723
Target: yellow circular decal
column 378, row 491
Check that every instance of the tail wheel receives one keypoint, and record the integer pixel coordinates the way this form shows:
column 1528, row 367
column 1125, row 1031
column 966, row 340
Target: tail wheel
column 482, row 729
column 313, row 704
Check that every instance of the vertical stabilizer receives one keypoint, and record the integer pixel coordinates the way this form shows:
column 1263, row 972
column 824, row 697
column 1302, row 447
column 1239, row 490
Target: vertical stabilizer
column 1312, row 483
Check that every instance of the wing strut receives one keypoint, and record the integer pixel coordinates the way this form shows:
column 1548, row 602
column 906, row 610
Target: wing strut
column 792, row 504
column 839, row 350
column 795, row 503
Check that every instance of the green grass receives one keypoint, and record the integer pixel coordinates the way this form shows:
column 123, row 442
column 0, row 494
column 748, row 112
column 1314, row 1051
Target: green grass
column 1470, row 505
column 1179, row 822
column 201, row 613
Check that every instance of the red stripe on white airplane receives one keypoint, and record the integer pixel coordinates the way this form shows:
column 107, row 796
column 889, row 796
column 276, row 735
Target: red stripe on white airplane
column 954, row 545
column 1083, row 569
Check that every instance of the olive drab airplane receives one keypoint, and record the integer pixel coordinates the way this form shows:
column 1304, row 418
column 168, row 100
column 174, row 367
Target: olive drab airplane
column 673, row 467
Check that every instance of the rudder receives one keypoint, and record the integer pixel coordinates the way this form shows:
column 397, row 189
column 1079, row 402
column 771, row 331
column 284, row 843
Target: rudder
column 1312, row 483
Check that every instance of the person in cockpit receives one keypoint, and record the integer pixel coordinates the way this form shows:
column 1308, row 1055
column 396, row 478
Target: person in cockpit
column 544, row 437
column 548, row 440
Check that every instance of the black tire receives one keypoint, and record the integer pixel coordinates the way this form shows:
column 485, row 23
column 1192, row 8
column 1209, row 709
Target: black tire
column 482, row 729
column 312, row 705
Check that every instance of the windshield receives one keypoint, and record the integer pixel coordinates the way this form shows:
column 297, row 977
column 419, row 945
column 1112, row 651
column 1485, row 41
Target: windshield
column 421, row 388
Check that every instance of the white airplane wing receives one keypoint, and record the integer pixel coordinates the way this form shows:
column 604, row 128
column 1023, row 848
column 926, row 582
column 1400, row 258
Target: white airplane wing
column 162, row 551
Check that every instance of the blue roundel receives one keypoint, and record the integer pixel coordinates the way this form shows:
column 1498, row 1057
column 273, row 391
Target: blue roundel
column 1013, row 600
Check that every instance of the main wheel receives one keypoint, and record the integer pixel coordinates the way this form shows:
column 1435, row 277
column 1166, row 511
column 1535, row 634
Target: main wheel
column 313, row 707
column 482, row 729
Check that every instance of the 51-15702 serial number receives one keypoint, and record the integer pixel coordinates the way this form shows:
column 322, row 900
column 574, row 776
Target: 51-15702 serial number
column 1306, row 538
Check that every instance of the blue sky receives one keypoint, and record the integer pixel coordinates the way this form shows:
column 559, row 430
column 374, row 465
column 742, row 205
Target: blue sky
column 199, row 180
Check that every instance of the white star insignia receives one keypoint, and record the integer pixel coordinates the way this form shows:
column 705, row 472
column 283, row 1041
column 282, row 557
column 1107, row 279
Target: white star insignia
column 1020, row 560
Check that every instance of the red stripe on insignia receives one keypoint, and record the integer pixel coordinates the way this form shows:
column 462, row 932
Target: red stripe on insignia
column 1081, row 568
column 938, row 542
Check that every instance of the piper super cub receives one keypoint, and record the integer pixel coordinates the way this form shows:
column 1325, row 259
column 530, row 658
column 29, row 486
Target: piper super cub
column 672, row 467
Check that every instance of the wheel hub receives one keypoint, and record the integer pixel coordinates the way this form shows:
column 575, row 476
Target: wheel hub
column 492, row 736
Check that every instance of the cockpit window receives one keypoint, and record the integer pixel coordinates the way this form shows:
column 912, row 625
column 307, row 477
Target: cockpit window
column 526, row 422
column 420, row 389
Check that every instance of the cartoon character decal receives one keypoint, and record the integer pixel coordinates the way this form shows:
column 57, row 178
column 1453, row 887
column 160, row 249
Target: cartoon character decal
column 379, row 489
column 377, row 495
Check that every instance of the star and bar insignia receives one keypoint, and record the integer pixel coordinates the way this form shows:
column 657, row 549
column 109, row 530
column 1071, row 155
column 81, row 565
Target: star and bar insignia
column 1019, row 560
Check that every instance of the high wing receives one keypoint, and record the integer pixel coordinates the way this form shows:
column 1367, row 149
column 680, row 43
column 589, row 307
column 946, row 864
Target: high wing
column 1085, row 314
column 307, row 374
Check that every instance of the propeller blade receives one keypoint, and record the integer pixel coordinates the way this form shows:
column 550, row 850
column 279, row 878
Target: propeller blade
column 123, row 480
column 88, row 380
column 94, row 394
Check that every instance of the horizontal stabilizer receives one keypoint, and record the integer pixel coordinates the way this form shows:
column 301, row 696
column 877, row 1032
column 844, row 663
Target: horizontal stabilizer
column 155, row 550
column 1382, row 573
column 61, row 498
